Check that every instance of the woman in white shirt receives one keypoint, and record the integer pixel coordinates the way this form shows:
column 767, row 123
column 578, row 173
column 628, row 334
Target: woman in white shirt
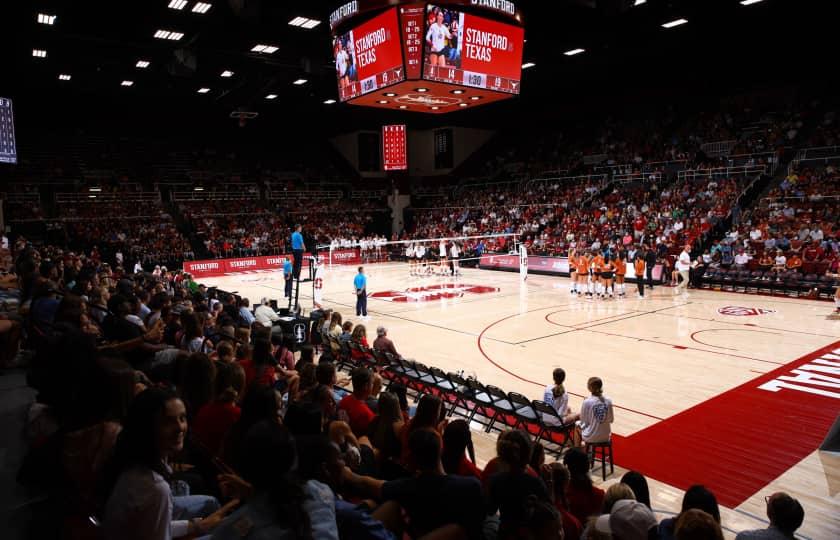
column 596, row 414
column 436, row 38
column 141, row 504
column 341, row 58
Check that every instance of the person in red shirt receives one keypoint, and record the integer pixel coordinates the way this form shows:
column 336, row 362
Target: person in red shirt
column 583, row 498
column 354, row 405
column 556, row 477
column 456, row 441
column 215, row 419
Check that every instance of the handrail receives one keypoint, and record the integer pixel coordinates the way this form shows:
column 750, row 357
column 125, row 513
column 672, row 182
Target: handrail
column 719, row 172
column 107, row 196
column 600, row 178
column 368, row 194
column 300, row 194
column 637, row 176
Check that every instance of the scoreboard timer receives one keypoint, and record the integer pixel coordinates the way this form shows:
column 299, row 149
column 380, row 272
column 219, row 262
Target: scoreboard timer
column 8, row 148
column 427, row 57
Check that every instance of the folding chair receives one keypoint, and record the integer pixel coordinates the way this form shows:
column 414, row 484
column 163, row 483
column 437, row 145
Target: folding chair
column 552, row 427
column 482, row 403
column 502, row 407
column 525, row 414
column 461, row 395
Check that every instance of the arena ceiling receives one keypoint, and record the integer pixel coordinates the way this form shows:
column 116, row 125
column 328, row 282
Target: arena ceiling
column 98, row 44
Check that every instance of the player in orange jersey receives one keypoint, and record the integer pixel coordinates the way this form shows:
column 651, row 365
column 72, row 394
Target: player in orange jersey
column 598, row 267
column 572, row 270
column 583, row 275
column 607, row 276
column 639, row 270
column 620, row 270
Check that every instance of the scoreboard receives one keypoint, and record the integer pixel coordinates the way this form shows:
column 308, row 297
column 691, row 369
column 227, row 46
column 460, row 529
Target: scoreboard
column 8, row 148
column 394, row 148
column 427, row 57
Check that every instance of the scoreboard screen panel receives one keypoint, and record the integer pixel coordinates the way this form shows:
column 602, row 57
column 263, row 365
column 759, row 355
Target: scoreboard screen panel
column 369, row 56
column 394, row 148
column 462, row 48
column 8, row 148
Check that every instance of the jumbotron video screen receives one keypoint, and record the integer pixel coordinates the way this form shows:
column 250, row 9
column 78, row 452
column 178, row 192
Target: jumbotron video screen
column 461, row 48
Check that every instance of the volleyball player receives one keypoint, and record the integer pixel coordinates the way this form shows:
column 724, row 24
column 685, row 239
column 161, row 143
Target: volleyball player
column 341, row 63
column 598, row 267
column 584, row 260
column 442, row 258
column 607, row 275
column 639, row 269
column 409, row 255
column 620, row 271
column 436, row 38
column 420, row 255
column 572, row 271
column 454, row 254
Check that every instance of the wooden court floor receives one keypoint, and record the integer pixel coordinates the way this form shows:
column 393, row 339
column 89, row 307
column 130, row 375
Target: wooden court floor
column 731, row 390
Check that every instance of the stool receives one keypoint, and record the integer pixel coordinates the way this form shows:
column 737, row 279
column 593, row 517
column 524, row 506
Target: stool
column 606, row 453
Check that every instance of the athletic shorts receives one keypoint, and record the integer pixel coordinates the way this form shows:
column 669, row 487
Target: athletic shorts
column 606, row 275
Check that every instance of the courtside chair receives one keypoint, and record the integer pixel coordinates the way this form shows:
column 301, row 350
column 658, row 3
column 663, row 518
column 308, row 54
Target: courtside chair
column 552, row 428
column 601, row 451
column 526, row 417
column 482, row 403
column 439, row 384
column 462, row 396
column 502, row 407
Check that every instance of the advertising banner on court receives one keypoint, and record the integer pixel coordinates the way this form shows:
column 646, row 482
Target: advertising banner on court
column 546, row 265
column 345, row 256
column 220, row 267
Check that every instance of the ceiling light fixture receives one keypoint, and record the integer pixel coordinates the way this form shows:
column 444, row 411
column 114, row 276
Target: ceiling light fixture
column 573, row 52
column 169, row 34
column 434, row 108
column 458, row 91
column 203, row 90
column 527, row 65
column 639, row 2
column 421, row 90
column 389, row 94
column 226, row 73
column 127, row 83
column 382, row 101
column 39, row 53
column 267, row 49
column 675, row 22
column 463, row 104
column 304, row 22
column 749, row 2
column 177, row 4
column 299, row 82
column 46, row 19
column 64, row 77
column 95, row 189
column 201, row 7
column 475, row 98
column 329, row 102
column 271, row 96
column 403, row 106
column 142, row 64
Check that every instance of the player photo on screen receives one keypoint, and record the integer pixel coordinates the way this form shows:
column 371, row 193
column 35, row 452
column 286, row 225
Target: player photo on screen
column 345, row 60
column 444, row 30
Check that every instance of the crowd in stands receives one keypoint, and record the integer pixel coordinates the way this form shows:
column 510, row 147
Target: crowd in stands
column 236, row 228
column 166, row 410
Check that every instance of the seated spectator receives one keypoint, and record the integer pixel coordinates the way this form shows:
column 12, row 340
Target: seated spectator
column 596, row 414
column 507, row 489
column 584, row 499
column 616, row 492
column 765, row 262
column 779, row 262
column 742, row 259
column 696, row 497
column 261, row 403
column 556, row 477
column 556, row 396
column 457, row 445
column 346, row 332
column 140, row 502
column 384, row 434
column 383, row 343
column 215, row 419
column 629, row 520
column 359, row 337
column 697, row 525
column 280, row 505
column 264, row 314
column 260, row 369
column 433, row 499
column 785, row 515
column 429, row 416
column 359, row 415
column 638, row 483
column 246, row 318
column 794, row 263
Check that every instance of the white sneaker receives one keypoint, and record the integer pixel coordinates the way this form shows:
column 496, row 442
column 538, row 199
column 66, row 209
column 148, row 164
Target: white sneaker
column 640, row 296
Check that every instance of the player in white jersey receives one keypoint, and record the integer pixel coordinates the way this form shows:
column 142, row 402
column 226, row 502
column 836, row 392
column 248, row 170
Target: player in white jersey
column 409, row 255
column 454, row 253
column 442, row 269
column 420, row 254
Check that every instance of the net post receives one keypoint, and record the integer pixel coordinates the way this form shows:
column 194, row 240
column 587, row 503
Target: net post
column 523, row 262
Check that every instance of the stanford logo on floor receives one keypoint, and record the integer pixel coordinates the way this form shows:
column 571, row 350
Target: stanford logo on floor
column 738, row 311
column 433, row 292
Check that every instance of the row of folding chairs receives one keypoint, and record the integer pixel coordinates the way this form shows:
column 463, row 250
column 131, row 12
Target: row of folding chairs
column 486, row 405
column 788, row 283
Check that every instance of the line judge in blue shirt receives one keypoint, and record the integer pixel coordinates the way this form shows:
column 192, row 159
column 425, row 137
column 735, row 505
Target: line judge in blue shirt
column 360, row 284
column 287, row 275
column 298, row 247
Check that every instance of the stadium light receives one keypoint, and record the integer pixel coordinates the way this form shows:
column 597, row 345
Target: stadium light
column 198, row 188
column 304, row 22
column 435, row 108
column 226, row 73
column 46, row 19
column 169, row 34
column 177, row 4
column 749, row 2
column 574, row 52
column 527, row 65
column 39, row 53
column 382, row 101
column 267, row 49
column 421, row 90
column 127, row 83
column 203, row 90
column 142, row 64
column 463, row 104
column 299, row 82
column 271, row 96
column 403, row 106
column 329, row 102
column 201, row 7
column 458, row 92
column 675, row 22
column 64, row 77
column 95, row 189
column 639, row 2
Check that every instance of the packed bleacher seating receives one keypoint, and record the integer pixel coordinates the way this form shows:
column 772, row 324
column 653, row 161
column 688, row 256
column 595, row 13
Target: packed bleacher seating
column 207, row 413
